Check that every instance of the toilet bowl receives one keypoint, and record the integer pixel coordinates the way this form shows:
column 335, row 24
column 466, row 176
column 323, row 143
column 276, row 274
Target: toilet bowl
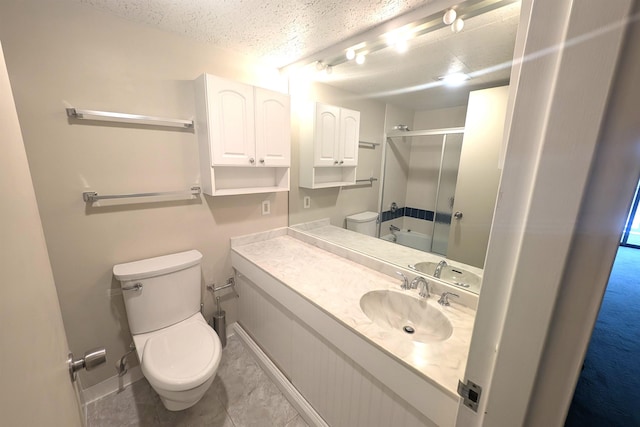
column 179, row 352
column 180, row 361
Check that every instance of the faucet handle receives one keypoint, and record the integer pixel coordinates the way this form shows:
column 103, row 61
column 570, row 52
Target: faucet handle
column 405, row 281
column 444, row 298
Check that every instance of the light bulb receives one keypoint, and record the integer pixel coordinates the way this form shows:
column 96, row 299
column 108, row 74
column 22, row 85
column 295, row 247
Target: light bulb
column 350, row 54
column 391, row 39
column 457, row 25
column 360, row 59
column 328, row 70
column 402, row 46
column 449, row 16
column 320, row 66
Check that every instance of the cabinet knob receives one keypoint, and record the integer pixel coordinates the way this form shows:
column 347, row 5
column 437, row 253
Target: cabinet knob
column 341, row 161
column 262, row 161
column 335, row 162
column 252, row 160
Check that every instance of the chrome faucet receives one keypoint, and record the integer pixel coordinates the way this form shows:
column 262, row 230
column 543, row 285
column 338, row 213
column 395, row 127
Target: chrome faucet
column 405, row 281
column 393, row 228
column 444, row 298
column 439, row 268
column 422, row 285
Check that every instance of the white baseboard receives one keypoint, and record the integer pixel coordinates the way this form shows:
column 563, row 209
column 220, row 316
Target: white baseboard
column 111, row 385
column 292, row 394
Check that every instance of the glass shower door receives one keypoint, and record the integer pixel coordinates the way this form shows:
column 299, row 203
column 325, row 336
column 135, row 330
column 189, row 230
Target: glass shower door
column 452, row 146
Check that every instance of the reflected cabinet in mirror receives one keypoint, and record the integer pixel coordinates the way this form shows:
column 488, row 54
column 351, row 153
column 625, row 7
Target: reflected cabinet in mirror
column 433, row 148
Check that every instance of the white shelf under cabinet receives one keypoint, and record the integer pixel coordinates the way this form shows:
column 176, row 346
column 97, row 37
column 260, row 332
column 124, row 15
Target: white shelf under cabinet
column 230, row 180
column 325, row 177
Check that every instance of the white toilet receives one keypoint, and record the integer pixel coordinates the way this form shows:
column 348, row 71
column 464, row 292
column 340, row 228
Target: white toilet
column 178, row 351
column 363, row 222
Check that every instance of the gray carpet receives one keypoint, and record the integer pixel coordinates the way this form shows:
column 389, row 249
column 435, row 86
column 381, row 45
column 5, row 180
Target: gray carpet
column 606, row 394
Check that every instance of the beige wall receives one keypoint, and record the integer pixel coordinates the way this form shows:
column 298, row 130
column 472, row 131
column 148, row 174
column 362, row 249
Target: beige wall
column 36, row 389
column 440, row 118
column 397, row 153
column 336, row 203
column 64, row 52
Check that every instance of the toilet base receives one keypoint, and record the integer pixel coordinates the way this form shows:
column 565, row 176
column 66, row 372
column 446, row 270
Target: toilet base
column 181, row 400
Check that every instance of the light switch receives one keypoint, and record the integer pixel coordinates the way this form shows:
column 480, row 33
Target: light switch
column 307, row 202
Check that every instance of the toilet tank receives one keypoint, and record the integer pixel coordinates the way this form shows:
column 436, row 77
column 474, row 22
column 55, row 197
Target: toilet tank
column 169, row 291
column 363, row 222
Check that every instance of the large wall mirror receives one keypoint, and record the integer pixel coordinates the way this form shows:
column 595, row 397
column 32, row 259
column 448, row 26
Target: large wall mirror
column 432, row 148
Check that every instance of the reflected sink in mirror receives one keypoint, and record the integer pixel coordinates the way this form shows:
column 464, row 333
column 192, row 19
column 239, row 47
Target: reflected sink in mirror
column 417, row 318
column 451, row 274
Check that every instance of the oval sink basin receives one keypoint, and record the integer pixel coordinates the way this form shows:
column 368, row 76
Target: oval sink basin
column 454, row 275
column 403, row 313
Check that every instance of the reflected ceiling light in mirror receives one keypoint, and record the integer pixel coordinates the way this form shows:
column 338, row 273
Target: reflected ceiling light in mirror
column 454, row 79
column 351, row 54
column 360, row 58
column 450, row 15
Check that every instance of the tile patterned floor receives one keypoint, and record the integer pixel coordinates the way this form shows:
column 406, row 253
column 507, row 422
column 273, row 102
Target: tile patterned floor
column 241, row 396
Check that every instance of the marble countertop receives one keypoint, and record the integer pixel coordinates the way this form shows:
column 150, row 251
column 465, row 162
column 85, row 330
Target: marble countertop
column 387, row 251
column 336, row 284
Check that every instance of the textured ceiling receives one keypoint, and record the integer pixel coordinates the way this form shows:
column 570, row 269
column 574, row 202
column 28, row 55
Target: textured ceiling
column 278, row 32
column 282, row 32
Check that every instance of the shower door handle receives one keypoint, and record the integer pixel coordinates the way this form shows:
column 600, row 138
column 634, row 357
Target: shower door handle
column 457, row 215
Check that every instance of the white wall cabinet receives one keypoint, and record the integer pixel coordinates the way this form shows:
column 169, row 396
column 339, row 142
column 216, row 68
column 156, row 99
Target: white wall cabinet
column 329, row 138
column 244, row 135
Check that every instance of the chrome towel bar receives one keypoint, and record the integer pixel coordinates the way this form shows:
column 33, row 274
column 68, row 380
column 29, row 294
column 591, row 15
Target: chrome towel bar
column 109, row 116
column 90, row 197
column 369, row 180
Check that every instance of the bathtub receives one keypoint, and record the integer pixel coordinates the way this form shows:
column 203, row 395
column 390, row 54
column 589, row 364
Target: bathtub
column 411, row 239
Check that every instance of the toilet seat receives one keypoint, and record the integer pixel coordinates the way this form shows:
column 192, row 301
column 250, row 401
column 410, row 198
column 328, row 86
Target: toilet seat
column 182, row 356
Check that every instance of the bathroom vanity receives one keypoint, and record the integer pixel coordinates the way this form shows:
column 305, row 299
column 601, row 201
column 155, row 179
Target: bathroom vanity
column 301, row 300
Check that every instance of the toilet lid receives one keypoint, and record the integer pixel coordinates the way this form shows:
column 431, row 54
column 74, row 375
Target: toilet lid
column 182, row 357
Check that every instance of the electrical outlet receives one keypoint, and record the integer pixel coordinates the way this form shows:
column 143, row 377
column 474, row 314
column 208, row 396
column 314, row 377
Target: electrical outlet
column 307, row 202
column 266, row 207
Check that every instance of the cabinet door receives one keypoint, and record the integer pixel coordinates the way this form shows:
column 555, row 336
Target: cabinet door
column 231, row 121
column 326, row 138
column 273, row 128
column 349, row 137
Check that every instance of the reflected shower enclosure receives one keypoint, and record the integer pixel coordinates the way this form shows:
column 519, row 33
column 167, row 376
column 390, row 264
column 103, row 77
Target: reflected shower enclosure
column 420, row 175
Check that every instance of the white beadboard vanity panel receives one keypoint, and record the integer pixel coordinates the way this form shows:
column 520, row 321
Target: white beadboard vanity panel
column 269, row 326
column 417, row 400
column 340, row 390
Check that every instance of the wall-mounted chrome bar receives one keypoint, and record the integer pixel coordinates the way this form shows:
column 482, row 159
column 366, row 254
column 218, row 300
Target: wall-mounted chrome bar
column 369, row 180
column 366, row 144
column 426, row 132
column 109, row 116
column 230, row 282
column 90, row 197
